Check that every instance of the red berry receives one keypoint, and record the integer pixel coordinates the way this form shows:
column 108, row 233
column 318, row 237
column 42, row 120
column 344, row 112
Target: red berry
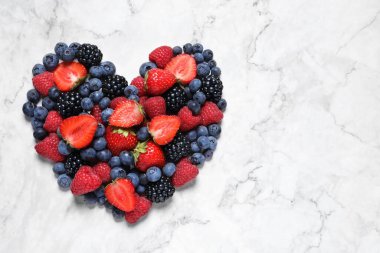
column 116, row 101
column 157, row 81
column 161, row 56
column 143, row 99
column 85, row 181
column 183, row 67
column 139, row 83
column 184, row 173
column 148, row 154
column 127, row 114
column 163, row 128
column 210, row 114
column 69, row 75
column 48, row 148
column 119, row 139
column 121, row 194
column 43, row 82
column 154, row 106
column 188, row 120
column 53, row 121
column 103, row 171
column 142, row 208
column 97, row 113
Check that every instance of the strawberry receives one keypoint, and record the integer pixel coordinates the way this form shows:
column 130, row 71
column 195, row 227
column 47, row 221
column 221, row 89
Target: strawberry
column 184, row 173
column 163, row 128
column 154, row 106
column 139, row 83
column 188, row 120
column 161, row 56
column 116, row 101
column 121, row 194
column 69, row 75
column 85, row 181
column 127, row 114
column 97, row 113
column 148, row 154
column 48, row 148
column 142, row 208
column 119, row 139
column 53, row 121
column 103, row 171
column 79, row 130
column 157, row 81
column 210, row 113
column 183, row 67
column 43, row 82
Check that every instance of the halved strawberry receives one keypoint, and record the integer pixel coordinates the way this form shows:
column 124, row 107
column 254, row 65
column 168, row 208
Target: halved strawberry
column 69, row 75
column 183, row 67
column 79, row 131
column 127, row 114
column 163, row 128
column 120, row 193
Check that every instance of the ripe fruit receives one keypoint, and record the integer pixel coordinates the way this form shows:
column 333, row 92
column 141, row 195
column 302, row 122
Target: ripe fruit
column 103, row 171
column 119, row 139
column 188, row 120
column 183, row 67
column 79, row 131
column 89, row 55
column 113, row 86
column 185, row 172
column 48, row 148
column 121, row 194
column 85, row 181
column 210, row 114
column 52, row 122
column 154, row 106
column 161, row 56
column 43, row 82
column 179, row 147
column 163, row 128
column 116, row 101
column 69, row 75
column 138, row 82
column 97, row 113
column 157, row 81
column 142, row 208
column 127, row 114
column 148, row 154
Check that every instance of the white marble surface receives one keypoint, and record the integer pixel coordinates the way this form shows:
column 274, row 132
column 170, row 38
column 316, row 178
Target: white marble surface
column 297, row 168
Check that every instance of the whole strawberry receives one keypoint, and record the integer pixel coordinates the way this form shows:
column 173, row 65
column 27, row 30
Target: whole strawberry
column 43, row 82
column 154, row 106
column 103, row 171
column 142, row 208
column 85, row 181
column 148, row 154
column 119, row 139
column 48, row 148
column 161, row 56
column 184, row 173
column 157, row 81
column 52, row 121
column 210, row 114
column 139, row 83
column 188, row 120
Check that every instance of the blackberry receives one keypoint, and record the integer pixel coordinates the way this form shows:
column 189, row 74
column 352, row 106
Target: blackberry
column 89, row 55
column 212, row 87
column 159, row 191
column 175, row 99
column 72, row 164
column 113, row 86
column 179, row 147
column 68, row 104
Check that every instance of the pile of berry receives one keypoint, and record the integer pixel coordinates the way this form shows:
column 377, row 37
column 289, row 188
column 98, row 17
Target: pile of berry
column 126, row 146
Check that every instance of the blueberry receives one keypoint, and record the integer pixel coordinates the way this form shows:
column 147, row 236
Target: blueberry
column 40, row 133
column 33, row 96
column 59, row 168
column 50, row 61
column 134, row 97
column 202, row 131
column 37, row 123
column 215, row 71
column 203, row 69
column 140, row 189
column 87, row 104
column 126, row 158
column 197, row 48
column 188, row 48
column 96, row 71
column 130, row 90
column 104, row 155
column 222, row 104
column 95, row 84
column 38, row 69
column 48, row 103
column 194, row 147
column 194, row 106
column 88, row 154
column 59, row 133
column 117, row 213
column 96, row 96
column 194, row 85
column 75, row 46
column 203, row 142
column 63, row 148
column 153, row 174
column 168, row 169
column 40, row 113
column 145, row 67
column 208, row 54
column 200, row 97
column 192, row 135
column 54, row 93
column 99, row 192
column 64, row 181
column 114, row 161
column 142, row 134
column 188, row 92
column 134, row 178
column 118, row 172
column 68, row 55
column 177, row 50
column 84, row 90
column 208, row 154
column 90, row 198
column 99, row 144
column 100, row 130
column 214, row 130
column 109, row 68
column 212, row 64
column 143, row 179
column 198, row 57
column 104, row 103
column 106, row 114
column 59, row 48
column 102, row 200
column 213, row 142
column 197, row 159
